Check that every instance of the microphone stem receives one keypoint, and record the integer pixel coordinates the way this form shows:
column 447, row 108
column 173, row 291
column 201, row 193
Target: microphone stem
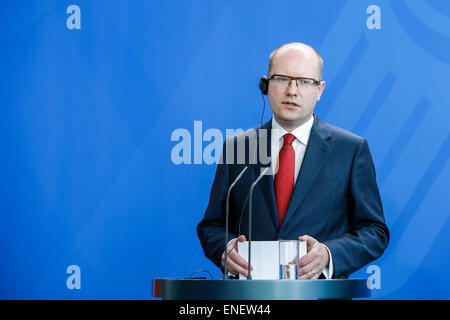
column 227, row 213
column 249, row 277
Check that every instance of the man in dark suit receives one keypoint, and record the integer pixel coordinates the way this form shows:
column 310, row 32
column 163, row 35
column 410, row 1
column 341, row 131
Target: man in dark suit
column 323, row 190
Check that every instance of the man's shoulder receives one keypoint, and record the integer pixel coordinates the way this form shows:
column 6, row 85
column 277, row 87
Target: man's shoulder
column 339, row 134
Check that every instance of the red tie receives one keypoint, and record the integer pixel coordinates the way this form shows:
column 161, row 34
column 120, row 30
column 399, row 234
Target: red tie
column 284, row 179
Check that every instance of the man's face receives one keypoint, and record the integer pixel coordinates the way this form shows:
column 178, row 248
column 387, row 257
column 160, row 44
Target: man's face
column 291, row 105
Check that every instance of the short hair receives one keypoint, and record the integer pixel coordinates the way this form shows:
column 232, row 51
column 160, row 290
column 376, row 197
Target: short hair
column 274, row 53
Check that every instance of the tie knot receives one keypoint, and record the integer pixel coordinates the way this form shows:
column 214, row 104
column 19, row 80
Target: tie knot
column 288, row 138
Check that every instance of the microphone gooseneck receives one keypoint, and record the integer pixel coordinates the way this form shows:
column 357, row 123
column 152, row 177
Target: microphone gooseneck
column 227, row 213
column 263, row 173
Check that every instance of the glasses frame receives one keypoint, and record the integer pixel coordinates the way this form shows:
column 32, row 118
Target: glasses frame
column 316, row 82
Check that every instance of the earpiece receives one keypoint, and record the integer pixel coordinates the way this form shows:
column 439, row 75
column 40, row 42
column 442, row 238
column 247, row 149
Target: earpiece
column 264, row 85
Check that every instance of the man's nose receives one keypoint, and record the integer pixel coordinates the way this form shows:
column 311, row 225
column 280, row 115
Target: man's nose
column 292, row 89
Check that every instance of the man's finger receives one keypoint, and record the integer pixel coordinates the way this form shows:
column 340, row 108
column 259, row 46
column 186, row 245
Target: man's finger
column 310, row 276
column 237, row 258
column 294, row 261
column 311, row 271
column 236, row 264
column 242, row 238
column 233, row 243
column 236, row 268
column 312, row 266
column 310, row 241
column 306, row 259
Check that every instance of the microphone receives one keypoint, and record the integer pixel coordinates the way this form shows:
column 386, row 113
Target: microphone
column 225, row 274
column 263, row 173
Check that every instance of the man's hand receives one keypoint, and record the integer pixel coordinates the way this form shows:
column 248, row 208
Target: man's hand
column 236, row 264
column 312, row 264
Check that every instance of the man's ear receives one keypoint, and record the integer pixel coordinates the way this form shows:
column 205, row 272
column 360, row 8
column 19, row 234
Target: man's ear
column 321, row 87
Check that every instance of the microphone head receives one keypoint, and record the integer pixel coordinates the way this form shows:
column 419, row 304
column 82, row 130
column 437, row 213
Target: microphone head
column 266, row 171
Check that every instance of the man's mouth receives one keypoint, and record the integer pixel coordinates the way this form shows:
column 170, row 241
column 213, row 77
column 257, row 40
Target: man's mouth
column 290, row 104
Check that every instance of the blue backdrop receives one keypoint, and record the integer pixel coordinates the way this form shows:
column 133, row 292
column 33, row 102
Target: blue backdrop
column 87, row 116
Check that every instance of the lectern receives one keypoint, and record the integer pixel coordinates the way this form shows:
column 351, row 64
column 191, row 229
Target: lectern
column 194, row 289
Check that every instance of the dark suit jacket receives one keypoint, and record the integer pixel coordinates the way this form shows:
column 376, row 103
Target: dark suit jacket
column 335, row 200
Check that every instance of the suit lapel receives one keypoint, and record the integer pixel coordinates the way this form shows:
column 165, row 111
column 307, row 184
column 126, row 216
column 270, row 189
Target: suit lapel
column 316, row 154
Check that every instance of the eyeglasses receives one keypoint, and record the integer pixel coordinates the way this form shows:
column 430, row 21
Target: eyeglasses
column 283, row 81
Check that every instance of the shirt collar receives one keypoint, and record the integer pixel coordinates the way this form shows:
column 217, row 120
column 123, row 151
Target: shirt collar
column 301, row 133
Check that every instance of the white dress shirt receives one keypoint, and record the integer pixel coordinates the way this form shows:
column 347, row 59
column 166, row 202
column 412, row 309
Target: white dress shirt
column 299, row 145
